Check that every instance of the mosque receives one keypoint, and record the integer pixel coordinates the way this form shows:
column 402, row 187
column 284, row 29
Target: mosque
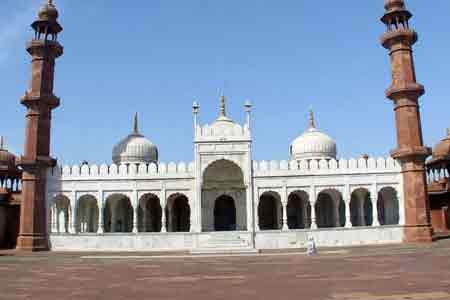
column 223, row 200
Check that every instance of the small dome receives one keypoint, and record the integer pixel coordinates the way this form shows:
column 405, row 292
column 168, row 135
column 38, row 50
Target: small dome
column 394, row 4
column 442, row 150
column 135, row 148
column 313, row 144
column 7, row 159
column 223, row 126
column 48, row 12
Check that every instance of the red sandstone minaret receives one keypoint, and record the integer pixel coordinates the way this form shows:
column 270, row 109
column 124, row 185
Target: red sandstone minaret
column 39, row 101
column 405, row 92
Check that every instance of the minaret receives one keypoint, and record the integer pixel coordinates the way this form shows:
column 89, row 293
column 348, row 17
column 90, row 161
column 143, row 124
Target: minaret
column 39, row 101
column 405, row 92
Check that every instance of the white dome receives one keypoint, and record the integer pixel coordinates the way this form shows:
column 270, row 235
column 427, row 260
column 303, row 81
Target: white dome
column 313, row 144
column 135, row 148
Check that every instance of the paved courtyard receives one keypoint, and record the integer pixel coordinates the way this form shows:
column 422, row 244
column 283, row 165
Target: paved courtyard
column 365, row 273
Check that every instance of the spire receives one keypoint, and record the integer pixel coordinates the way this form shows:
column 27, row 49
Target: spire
column 312, row 123
column 135, row 124
column 222, row 106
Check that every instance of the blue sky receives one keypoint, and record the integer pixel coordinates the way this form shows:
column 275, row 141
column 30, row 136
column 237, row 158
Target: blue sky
column 156, row 57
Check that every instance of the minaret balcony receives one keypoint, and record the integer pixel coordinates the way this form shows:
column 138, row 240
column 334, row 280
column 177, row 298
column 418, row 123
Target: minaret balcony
column 45, row 47
column 405, row 89
column 399, row 36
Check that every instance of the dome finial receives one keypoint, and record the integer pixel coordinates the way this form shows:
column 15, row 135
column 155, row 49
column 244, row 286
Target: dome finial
column 312, row 123
column 222, row 106
column 135, row 124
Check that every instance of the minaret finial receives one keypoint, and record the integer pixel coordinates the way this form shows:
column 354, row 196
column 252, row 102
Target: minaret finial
column 222, row 106
column 312, row 123
column 136, row 124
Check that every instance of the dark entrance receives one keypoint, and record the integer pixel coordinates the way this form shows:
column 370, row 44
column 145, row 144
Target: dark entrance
column 224, row 214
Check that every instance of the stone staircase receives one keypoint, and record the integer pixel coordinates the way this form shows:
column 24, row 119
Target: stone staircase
column 225, row 243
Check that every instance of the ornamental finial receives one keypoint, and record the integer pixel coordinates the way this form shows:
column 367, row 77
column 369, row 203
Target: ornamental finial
column 135, row 124
column 222, row 106
column 312, row 123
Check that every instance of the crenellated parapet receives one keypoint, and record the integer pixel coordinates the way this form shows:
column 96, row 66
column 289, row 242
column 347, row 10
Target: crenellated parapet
column 325, row 167
column 128, row 171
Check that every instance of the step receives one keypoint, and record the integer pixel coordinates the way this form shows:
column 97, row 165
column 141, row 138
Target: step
column 225, row 251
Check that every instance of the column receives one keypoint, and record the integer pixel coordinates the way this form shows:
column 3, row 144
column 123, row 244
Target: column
column 193, row 218
column 135, row 210
column 163, row 221
column 73, row 207
column 53, row 218
column 100, row 229
column 284, row 201
column 69, row 219
column 312, row 201
column 376, row 221
column 347, row 199
column 374, row 200
column 348, row 215
column 255, row 209
column 163, row 206
column 285, row 220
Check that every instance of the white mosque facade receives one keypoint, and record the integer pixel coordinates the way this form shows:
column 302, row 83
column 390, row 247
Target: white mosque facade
column 224, row 200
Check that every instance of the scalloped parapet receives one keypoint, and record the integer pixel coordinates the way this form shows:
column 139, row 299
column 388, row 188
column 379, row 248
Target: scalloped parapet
column 314, row 166
column 161, row 170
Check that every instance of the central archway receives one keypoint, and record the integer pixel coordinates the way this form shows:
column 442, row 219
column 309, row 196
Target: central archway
column 224, row 214
column 223, row 203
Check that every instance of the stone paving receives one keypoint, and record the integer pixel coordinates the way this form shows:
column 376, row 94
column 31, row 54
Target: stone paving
column 365, row 273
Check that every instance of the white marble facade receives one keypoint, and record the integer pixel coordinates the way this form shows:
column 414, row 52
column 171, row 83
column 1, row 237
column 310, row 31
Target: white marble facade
column 223, row 199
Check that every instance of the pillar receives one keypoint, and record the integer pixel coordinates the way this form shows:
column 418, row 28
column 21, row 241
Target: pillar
column 100, row 204
column 285, row 219
column 73, row 225
column 312, row 202
column 135, row 204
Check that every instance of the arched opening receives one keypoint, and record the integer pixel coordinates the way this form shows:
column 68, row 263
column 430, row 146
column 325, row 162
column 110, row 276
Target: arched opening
column 298, row 210
column 87, row 214
column 61, row 214
column 178, row 213
column 270, row 211
column 361, row 208
column 149, row 214
column 388, row 206
column 224, row 214
column 118, row 214
column 223, row 177
column 330, row 209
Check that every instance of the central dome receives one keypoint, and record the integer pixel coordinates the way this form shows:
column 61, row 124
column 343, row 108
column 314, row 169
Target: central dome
column 135, row 148
column 313, row 144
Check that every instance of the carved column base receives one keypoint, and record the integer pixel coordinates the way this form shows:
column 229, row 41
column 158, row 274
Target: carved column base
column 33, row 243
column 418, row 234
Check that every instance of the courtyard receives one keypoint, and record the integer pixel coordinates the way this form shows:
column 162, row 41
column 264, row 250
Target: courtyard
column 395, row 272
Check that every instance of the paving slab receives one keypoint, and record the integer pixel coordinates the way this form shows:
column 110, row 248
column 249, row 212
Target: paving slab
column 396, row 272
